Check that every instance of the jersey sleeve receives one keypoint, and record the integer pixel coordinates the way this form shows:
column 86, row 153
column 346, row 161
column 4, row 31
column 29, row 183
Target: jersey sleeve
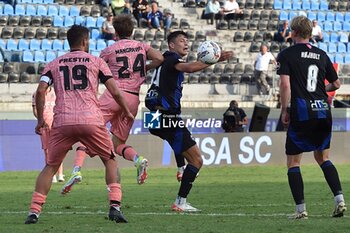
column 104, row 72
column 283, row 66
column 46, row 75
column 331, row 74
column 103, row 55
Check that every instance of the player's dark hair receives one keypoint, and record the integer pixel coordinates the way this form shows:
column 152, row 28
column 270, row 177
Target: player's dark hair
column 172, row 36
column 123, row 26
column 76, row 34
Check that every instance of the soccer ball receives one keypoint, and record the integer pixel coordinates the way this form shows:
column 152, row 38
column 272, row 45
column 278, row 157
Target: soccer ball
column 208, row 52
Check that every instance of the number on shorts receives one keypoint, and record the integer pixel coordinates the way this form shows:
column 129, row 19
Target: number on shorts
column 312, row 74
column 138, row 66
column 78, row 73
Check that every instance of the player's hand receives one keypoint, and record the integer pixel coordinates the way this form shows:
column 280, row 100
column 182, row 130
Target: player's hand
column 285, row 118
column 225, row 55
column 40, row 125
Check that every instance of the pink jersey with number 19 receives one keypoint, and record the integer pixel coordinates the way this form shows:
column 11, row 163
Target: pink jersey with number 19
column 75, row 76
column 127, row 60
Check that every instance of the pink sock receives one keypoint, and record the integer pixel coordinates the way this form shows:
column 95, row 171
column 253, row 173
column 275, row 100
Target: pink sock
column 115, row 192
column 126, row 151
column 38, row 200
column 79, row 156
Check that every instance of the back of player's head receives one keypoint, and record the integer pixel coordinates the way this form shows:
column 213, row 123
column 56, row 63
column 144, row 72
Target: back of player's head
column 172, row 36
column 302, row 27
column 123, row 25
column 76, row 35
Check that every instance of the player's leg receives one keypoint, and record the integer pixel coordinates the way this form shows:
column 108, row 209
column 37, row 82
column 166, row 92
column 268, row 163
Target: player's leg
column 331, row 175
column 296, row 185
column 60, row 173
column 181, row 166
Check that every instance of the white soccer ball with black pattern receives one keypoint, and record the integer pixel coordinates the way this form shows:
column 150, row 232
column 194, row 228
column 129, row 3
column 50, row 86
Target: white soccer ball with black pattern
column 208, row 52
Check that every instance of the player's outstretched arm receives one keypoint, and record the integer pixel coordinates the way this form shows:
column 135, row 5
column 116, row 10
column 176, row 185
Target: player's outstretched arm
column 118, row 97
column 40, row 103
column 156, row 58
column 333, row 86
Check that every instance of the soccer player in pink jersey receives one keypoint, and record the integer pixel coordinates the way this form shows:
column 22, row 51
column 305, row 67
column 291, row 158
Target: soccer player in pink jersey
column 127, row 60
column 50, row 98
column 77, row 117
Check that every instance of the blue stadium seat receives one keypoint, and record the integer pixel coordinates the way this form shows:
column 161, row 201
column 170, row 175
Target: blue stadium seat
column 287, row 5
column 306, row 5
column 41, row 10
column 346, row 26
column 46, row 44
column 321, row 16
column 12, row 44
column 8, row 9
column 347, row 58
column 334, row 37
column 39, row 56
column 100, row 21
column 27, row 56
column 339, row 58
column 20, row 10
column 79, row 20
column 343, row 37
column 66, row 46
column 323, row 46
column 48, row 1
column 331, row 56
column 332, row 47
column 57, row 44
column 341, row 48
column 277, row 5
column 52, row 10
column 325, row 37
column 92, row 44
column 34, row 44
column 324, row 5
column 58, row 21
column 95, row 53
column 2, row 44
column 68, row 21
column 37, row 1
column 315, row 5
column 337, row 26
column 296, row 5
column 347, row 17
column 328, row 26
column 330, row 16
column 292, row 14
column 100, row 45
column 30, row 10
column 23, row 44
column 63, row 11
column 90, row 22
column 50, row 56
column 60, row 53
column 95, row 34
column 26, row 1
column 339, row 16
column 74, row 11
column 311, row 15
column 110, row 42
column 283, row 15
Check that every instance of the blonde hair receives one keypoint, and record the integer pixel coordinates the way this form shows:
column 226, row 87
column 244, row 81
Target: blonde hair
column 302, row 26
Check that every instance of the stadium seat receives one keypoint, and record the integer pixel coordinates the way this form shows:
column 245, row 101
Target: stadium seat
column 57, row 44
column 306, row 5
column 8, row 67
column 275, row 47
column 322, row 46
column 46, row 44
column 326, row 37
column 284, row 45
column 268, row 4
column 74, row 11
column 3, row 77
column 274, row 15
column 100, row 45
column 346, row 26
column 69, row 2
column 292, row 14
column 339, row 58
column 3, row 20
column 100, row 21
column 330, row 16
column 332, row 5
column 68, row 21
column 191, row 57
column 18, row 33
column 29, row 33
column 259, row 36
column 323, row 5
column 6, row 32
column 296, row 5
column 321, row 16
column 315, row 5
column 328, row 26
column 90, row 22
column 80, row 2
column 200, row 36
column 184, row 24
column 190, row 35
column 39, row 56
column 149, row 35
column 23, row 44
column 36, row 21
column 57, row 21
column 341, row 48
column 255, row 15
column 47, row 21
column 34, row 44
column 37, row 1
column 283, row 15
column 13, row 77
column 342, row 6
column 255, row 47
column 79, row 20
column 332, row 47
column 248, row 37
column 159, row 36
column 272, row 25
column 2, row 45
column 27, row 56
column 262, row 25
column 347, row 59
column 50, row 56
column 311, row 15
column 155, row 44
column 238, row 37
column 343, row 37
column 194, row 78
column 20, row 10
column 243, row 24
column 138, row 35
column 41, row 10
column 249, row 4
column 110, row 42
column 61, row 52
column 8, row 9
column 222, row 25
column 287, row 5
column 265, row 15
column 334, row 37
column 62, row 33
column 259, row 4
column 13, row 20
column 95, row 34
column 63, row 11
column 24, row 21
column 95, row 11
column 85, row 11
column 347, row 17
column 52, row 10
column 92, row 45
column 277, row 5
column 48, row 1
column 268, row 36
column 339, row 16
column 253, row 25
column 337, row 26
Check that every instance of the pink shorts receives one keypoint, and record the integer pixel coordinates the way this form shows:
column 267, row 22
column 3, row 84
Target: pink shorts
column 45, row 135
column 95, row 138
column 113, row 113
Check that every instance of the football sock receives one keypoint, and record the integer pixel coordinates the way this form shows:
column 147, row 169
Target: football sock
column 332, row 177
column 79, row 157
column 300, row 208
column 76, row 169
column 339, row 198
column 126, row 151
column 114, row 192
column 296, row 184
column 188, row 177
column 180, row 160
column 38, row 200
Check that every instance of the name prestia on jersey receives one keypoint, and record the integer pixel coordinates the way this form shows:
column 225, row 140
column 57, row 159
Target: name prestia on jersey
column 310, row 55
column 75, row 59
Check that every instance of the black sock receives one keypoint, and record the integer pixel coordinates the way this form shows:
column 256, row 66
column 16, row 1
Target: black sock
column 296, row 184
column 332, row 177
column 180, row 160
column 188, row 177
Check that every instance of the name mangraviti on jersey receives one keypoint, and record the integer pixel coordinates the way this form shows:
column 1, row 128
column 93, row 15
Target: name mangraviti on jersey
column 310, row 55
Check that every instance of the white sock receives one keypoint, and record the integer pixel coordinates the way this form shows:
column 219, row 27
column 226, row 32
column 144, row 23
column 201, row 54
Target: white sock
column 300, row 208
column 76, row 169
column 339, row 198
column 180, row 200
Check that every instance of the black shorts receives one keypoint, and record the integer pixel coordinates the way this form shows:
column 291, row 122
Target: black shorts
column 311, row 135
column 180, row 139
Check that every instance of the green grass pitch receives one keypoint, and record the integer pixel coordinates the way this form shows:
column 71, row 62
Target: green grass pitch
column 232, row 199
